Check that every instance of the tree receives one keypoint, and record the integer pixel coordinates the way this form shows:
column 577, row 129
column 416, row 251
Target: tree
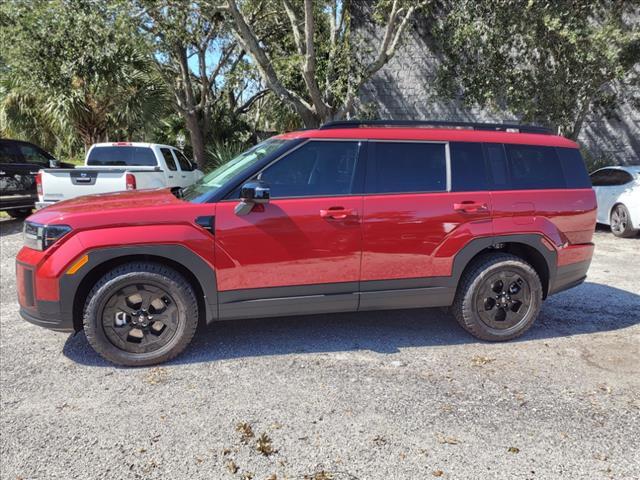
column 197, row 59
column 547, row 62
column 320, row 75
column 98, row 85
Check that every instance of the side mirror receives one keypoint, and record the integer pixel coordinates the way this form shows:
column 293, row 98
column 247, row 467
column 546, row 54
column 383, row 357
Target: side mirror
column 53, row 163
column 252, row 193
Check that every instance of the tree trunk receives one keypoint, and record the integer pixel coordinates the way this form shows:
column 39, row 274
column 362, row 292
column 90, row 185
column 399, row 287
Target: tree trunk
column 197, row 139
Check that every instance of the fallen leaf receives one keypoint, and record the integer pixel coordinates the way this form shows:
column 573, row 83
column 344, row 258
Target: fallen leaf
column 448, row 440
column 513, row 450
column 273, row 476
column 479, row 360
column 437, row 473
column 321, row 475
column 246, row 432
column 232, row 467
column 264, row 446
column 156, row 376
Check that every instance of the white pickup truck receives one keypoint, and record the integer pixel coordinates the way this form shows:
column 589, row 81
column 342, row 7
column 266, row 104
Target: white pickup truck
column 113, row 167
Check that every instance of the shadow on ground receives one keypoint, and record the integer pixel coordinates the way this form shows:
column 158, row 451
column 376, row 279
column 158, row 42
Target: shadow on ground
column 10, row 226
column 587, row 309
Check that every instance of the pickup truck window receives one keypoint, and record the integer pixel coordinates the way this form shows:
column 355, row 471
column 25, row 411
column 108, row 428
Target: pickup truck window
column 168, row 159
column 185, row 164
column 118, row 156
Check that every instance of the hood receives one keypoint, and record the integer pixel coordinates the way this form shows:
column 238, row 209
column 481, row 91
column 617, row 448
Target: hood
column 117, row 204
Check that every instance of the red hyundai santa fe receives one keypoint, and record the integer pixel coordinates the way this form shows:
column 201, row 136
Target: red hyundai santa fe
column 488, row 219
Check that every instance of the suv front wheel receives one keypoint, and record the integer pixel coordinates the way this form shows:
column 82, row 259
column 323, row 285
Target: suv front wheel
column 499, row 297
column 140, row 314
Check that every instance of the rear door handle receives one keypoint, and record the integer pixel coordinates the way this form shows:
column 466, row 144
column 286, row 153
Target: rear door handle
column 338, row 213
column 469, row 206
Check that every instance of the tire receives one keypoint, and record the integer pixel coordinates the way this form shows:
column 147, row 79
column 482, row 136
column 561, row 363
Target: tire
column 20, row 213
column 620, row 222
column 140, row 314
column 480, row 297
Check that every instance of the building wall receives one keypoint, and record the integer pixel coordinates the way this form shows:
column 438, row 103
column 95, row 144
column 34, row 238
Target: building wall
column 402, row 90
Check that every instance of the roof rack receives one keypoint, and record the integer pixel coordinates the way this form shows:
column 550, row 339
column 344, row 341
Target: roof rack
column 499, row 127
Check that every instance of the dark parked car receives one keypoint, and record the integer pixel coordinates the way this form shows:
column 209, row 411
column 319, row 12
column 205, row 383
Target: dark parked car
column 19, row 164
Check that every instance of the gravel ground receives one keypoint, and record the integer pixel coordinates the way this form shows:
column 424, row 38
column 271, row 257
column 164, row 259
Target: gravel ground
column 384, row 395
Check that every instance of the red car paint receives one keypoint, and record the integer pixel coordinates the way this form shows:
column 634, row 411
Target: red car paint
column 323, row 240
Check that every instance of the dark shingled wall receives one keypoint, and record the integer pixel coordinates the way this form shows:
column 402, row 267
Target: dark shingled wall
column 402, row 90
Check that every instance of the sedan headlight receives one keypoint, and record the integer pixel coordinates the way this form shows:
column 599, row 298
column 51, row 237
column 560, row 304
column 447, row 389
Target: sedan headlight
column 41, row 237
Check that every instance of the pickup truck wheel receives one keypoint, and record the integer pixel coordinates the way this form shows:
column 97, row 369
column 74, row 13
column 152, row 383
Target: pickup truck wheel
column 20, row 212
column 499, row 297
column 140, row 314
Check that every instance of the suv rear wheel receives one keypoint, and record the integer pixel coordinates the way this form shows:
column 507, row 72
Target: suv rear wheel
column 140, row 314
column 499, row 297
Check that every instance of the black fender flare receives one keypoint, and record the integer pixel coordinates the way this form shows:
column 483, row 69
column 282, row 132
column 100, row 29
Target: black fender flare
column 474, row 247
column 172, row 254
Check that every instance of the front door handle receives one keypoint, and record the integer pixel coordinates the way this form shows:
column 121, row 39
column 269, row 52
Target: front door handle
column 469, row 206
column 337, row 213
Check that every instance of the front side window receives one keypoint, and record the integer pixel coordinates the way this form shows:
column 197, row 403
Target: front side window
column 317, row 168
column 185, row 164
column 122, row 156
column 400, row 167
column 168, row 159
column 218, row 178
column 610, row 177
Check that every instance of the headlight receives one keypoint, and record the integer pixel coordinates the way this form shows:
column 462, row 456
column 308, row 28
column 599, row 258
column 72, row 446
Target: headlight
column 41, row 237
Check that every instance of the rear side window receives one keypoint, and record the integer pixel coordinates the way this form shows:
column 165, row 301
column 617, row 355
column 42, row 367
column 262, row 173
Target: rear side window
column 534, row 167
column 31, row 154
column 467, row 167
column 575, row 172
column 407, row 167
column 317, row 168
column 122, row 156
column 168, row 159
column 497, row 166
column 610, row 177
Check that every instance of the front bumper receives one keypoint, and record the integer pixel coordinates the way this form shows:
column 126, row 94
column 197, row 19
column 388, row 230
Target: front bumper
column 44, row 313
column 47, row 320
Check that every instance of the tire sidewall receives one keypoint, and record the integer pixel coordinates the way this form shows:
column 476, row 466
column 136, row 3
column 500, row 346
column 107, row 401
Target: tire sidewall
column 533, row 309
column 464, row 307
column 98, row 299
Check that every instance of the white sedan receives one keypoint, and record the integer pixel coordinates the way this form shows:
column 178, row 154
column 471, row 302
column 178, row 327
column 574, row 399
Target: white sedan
column 618, row 194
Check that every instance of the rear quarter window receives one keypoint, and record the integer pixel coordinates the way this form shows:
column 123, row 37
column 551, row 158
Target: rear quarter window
column 120, row 156
column 573, row 167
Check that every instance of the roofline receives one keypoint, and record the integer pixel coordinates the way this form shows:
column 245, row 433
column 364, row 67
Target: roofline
column 432, row 134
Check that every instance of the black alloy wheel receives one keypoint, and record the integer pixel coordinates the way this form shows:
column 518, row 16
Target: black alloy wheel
column 140, row 314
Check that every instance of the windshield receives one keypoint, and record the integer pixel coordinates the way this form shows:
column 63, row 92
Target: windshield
column 122, row 156
column 219, row 177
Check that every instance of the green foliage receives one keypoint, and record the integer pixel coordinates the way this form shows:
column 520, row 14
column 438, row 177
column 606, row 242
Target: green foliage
column 75, row 70
column 549, row 62
column 220, row 152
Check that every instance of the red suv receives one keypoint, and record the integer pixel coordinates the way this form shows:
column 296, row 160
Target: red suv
column 488, row 219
